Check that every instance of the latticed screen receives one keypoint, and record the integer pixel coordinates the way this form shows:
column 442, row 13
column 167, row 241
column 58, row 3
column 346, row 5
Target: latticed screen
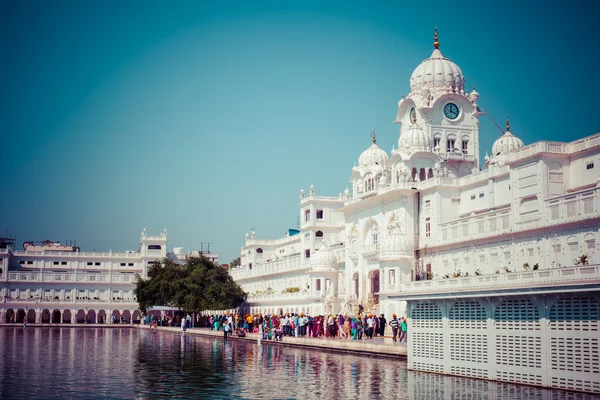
column 575, row 343
column 517, row 314
column 427, row 315
column 468, row 314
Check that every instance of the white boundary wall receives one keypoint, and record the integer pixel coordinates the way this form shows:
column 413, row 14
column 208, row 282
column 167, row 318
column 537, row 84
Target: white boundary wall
column 544, row 340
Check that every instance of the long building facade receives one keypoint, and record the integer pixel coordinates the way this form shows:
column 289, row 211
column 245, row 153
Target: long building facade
column 53, row 283
column 431, row 210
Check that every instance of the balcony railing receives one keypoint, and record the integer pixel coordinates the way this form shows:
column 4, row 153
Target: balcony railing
column 274, row 297
column 75, row 254
column 560, row 277
column 273, row 267
column 370, row 252
column 63, row 301
column 60, row 277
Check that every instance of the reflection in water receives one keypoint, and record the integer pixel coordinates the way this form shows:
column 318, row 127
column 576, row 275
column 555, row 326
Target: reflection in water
column 126, row 363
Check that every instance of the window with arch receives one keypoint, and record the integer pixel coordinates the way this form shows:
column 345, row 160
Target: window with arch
column 306, row 215
column 259, row 251
column 450, row 145
column 437, row 139
column 430, row 173
column 422, row 174
column 319, row 234
column 465, row 146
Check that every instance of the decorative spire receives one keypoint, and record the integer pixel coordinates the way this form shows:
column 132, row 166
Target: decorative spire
column 373, row 136
column 507, row 124
column 436, row 44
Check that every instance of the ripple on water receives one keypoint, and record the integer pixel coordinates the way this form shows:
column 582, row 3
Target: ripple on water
column 129, row 363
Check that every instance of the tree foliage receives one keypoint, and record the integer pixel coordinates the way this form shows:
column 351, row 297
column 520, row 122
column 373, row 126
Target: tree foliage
column 236, row 262
column 197, row 285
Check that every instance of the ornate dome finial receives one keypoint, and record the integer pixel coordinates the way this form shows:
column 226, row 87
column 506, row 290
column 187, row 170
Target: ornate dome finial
column 507, row 124
column 374, row 136
column 436, row 44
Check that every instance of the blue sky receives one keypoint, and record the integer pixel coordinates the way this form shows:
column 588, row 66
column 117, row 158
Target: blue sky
column 207, row 118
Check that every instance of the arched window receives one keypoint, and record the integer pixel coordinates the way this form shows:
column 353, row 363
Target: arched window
column 259, row 251
column 414, row 174
column 319, row 234
column 422, row 174
column 436, row 142
column 430, row 174
column 465, row 145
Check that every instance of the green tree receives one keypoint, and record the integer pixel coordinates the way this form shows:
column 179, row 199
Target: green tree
column 197, row 285
column 236, row 262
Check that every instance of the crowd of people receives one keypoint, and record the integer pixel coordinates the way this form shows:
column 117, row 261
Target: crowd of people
column 275, row 327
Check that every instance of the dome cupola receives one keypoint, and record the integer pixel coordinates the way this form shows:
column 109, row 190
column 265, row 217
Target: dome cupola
column 437, row 73
column 373, row 155
column 323, row 258
column 414, row 139
column 507, row 142
column 396, row 246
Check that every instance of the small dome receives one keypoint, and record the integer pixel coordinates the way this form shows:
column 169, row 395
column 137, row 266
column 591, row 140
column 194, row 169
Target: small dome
column 396, row 246
column 373, row 155
column 506, row 143
column 437, row 72
column 323, row 258
column 414, row 139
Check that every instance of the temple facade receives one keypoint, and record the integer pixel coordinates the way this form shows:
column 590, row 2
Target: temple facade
column 430, row 210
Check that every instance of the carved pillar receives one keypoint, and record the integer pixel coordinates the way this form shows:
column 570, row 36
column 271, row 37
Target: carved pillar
column 38, row 316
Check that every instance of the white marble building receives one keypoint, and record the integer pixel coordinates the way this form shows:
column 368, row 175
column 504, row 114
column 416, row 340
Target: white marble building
column 60, row 284
column 426, row 210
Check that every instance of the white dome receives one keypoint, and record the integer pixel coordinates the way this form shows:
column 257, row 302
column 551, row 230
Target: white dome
column 507, row 142
column 414, row 139
column 322, row 258
column 396, row 246
column 437, row 72
column 373, row 155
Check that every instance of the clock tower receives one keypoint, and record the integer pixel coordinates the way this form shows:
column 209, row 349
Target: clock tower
column 439, row 106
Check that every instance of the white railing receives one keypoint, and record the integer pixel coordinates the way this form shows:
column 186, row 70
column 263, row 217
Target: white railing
column 9, row 300
column 488, row 224
column 572, row 206
column 58, row 277
column 273, row 267
column 584, row 144
column 75, row 254
column 273, row 242
column 526, row 279
column 277, row 296
column 370, row 252
column 322, row 198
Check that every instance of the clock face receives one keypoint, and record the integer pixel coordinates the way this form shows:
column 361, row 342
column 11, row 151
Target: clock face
column 413, row 115
column 451, row 111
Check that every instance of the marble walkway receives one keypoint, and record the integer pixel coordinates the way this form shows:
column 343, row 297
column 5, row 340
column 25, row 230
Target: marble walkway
column 375, row 347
